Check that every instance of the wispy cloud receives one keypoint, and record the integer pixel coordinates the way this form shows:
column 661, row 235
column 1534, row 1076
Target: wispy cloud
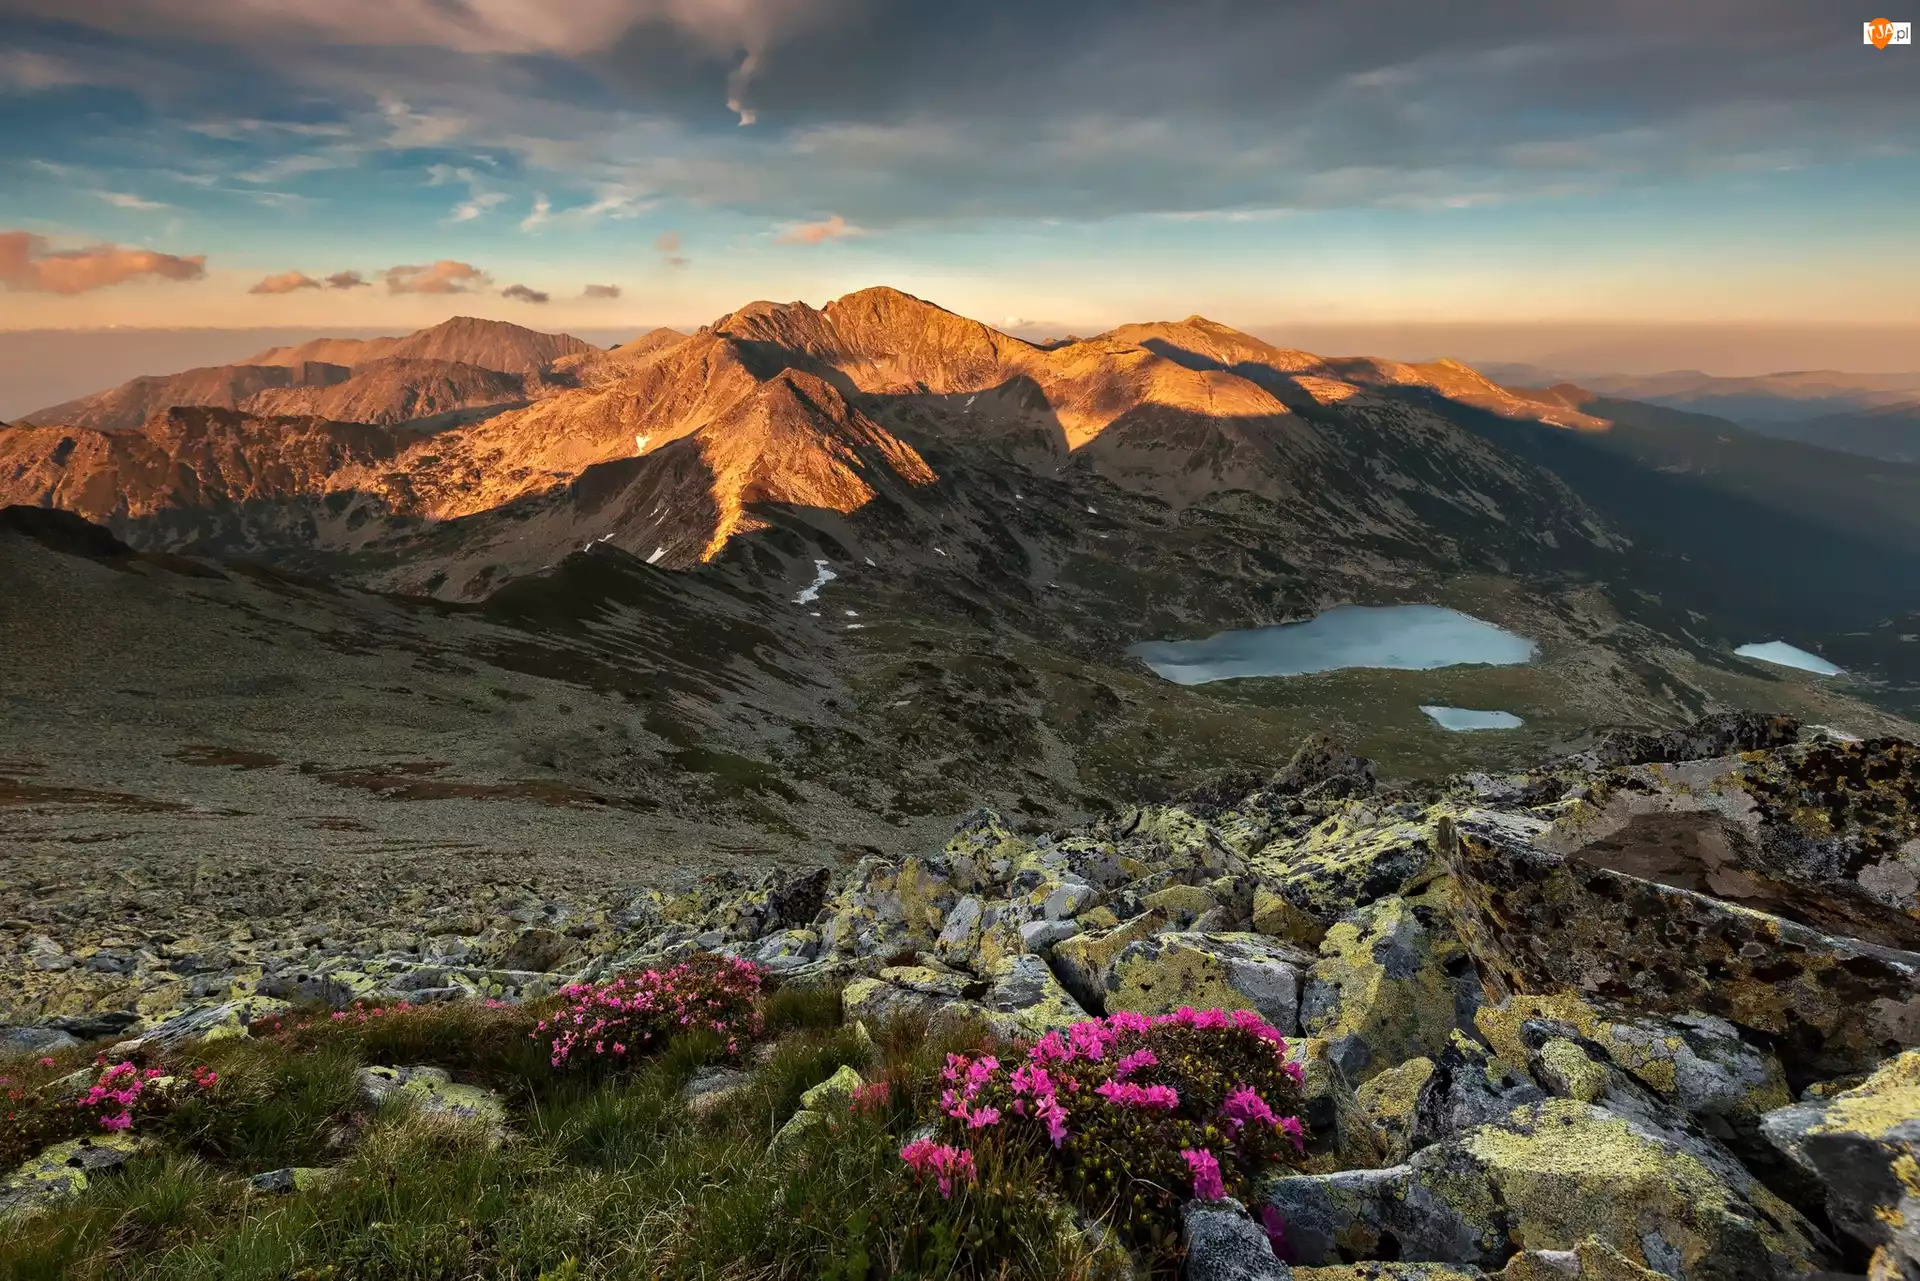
column 287, row 167
column 601, row 291
column 542, row 212
column 814, row 233
column 346, row 280
column 481, row 194
column 26, row 263
column 285, row 283
column 446, row 276
column 524, row 293
column 127, row 200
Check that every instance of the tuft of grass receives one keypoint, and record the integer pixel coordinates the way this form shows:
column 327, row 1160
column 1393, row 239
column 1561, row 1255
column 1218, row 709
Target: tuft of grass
column 802, row 1006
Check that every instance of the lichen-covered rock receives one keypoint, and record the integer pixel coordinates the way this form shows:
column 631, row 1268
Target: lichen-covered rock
column 797, row 1127
column 1540, row 923
column 1381, row 992
column 1223, row 1244
column 1025, row 990
column 1696, row 1062
column 1591, row 1260
column 434, row 1095
column 1340, row 1133
column 64, row 1170
column 1863, row 1147
column 1719, row 734
column 1467, row 1088
column 836, row 1091
column 213, row 1023
column 297, row 1178
column 1345, row 862
column 1824, row 833
column 1551, row 1175
column 1391, row 1101
column 1083, row 961
column 1159, row 974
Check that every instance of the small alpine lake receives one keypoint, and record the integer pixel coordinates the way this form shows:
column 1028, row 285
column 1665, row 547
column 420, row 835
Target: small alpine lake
column 1781, row 654
column 1406, row 637
column 1462, row 719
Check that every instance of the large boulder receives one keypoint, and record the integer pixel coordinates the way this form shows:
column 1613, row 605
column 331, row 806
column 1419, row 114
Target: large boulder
column 1026, row 991
column 1551, row 1175
column 1161, row 973
column 1223, row 1244
column 64, row 1170
column 1382, row 991
column 1824, row 833
column 1348, row 860
column 1083, row 961
column 1696, row 1062
column 1540, row 922
column 435, row 1096
column 1863, row 1147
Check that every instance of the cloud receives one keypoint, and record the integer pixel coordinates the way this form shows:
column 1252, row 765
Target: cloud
column 524, row 294
column 443, row 277
column 126, row 200
column 346, row 280
column 542, row 212
column 23, row 71
column 481, row 196
column 601, row 291
column 928, row 115
column 287, row 167
column 27, row 264
column 285, row 283
column 668, row 245
column 814, row 233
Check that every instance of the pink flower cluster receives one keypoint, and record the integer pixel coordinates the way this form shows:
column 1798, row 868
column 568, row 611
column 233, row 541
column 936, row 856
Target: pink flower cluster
column 359, row 1012
column 969, row 1076
column 638, row 1011
column 1037, row 1095
column 116, row 1091
column 943, row 1161
column 1204, row 1166
column 871, row 1098
column 1126, row 1094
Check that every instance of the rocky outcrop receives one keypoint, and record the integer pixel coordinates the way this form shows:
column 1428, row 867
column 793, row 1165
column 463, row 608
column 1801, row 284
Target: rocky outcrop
column 1862, row 1147
column 1551, row 1175
column 1541, row 922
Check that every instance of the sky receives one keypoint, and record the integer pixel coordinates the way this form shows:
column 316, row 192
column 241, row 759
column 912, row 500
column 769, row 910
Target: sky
column 1626, row 166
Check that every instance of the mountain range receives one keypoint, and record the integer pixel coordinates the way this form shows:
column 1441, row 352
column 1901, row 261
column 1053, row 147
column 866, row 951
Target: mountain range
column 876, row 553
column 1875, row 415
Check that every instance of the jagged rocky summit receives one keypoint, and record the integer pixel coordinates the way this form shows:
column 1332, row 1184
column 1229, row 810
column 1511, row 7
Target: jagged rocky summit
column 1653, row 1009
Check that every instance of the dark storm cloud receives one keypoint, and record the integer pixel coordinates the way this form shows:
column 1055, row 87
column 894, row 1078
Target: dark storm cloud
column 889, row 113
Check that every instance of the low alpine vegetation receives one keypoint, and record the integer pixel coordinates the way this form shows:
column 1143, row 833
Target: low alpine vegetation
column 694, row 1119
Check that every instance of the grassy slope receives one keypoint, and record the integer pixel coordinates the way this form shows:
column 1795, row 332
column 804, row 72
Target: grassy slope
column 608, row 1178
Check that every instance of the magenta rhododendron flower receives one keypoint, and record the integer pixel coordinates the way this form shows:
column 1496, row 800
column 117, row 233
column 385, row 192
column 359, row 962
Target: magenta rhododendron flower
column 1128, row 1095
column 943, row 1161
column 1274, row 1224
column 1204, row 1168
column 634, row 1011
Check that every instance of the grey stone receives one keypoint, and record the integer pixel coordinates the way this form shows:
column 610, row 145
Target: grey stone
column 35, row 1040
column 1223, row 1244
column 1069, row 901
column 1040, row 936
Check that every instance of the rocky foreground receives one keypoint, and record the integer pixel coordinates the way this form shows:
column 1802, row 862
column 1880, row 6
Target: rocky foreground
column 1648, row 1010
